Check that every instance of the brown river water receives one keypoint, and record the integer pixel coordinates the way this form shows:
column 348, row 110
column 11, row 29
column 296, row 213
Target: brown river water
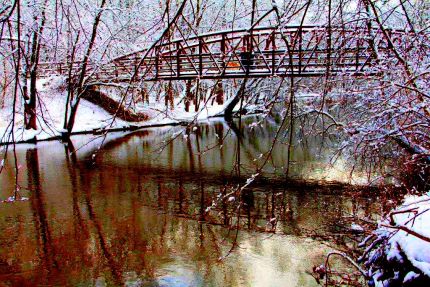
column 138, row 214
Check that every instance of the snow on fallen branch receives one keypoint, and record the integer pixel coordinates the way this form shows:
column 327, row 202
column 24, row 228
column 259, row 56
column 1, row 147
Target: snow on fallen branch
column 400, row 253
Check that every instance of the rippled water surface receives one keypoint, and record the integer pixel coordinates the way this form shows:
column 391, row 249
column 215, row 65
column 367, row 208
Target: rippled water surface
column 138, row 215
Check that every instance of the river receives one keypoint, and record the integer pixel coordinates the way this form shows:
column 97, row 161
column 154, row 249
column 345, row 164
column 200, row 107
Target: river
column 147, row 210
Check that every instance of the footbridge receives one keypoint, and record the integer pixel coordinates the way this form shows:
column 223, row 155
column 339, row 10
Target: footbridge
column 294, row 51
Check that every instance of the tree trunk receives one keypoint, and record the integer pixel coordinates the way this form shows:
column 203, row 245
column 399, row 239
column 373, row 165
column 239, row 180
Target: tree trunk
column 219, row 92
column 168, row 97
column 188, row 95
column 80, row 86
column 228, row 112
column 30, row 105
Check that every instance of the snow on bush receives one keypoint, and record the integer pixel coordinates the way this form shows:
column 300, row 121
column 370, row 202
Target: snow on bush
column 399, row 254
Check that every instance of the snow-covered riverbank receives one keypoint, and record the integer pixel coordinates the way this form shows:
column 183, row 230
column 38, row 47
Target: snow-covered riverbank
column 90, row 117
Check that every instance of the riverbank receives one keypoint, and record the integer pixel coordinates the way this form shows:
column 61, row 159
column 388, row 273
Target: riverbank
column 91, row 118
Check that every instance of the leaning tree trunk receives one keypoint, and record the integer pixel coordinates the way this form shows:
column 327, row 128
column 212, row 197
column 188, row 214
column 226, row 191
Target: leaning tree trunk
column 80, row 84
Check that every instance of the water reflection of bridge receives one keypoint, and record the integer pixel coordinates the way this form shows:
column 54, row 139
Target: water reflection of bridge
column 191, row 171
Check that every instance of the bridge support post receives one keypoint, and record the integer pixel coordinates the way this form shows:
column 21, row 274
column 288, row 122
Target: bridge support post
column 357, row 56
column 178, row 59
column 157, row 62
column 272, row 40
column 223, row 65
column 200, row 57
column 300, row 49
